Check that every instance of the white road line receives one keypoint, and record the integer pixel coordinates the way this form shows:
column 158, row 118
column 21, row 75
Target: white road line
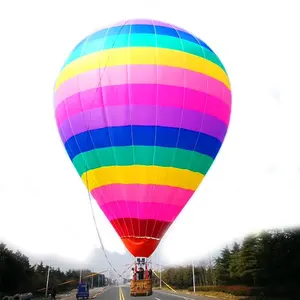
column 178, row 296
column 157, row 298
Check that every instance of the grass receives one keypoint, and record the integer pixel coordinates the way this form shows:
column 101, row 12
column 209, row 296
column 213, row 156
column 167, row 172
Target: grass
column 217, row 295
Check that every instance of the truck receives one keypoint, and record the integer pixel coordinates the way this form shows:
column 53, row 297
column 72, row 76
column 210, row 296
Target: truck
column 83, row 291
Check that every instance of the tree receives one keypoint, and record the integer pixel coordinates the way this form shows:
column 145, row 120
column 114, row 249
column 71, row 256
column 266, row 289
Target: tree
column 234, row 263
column 248, row 267
column 222, row 267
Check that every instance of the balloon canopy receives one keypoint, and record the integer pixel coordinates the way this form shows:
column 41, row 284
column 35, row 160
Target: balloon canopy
column 142, row 108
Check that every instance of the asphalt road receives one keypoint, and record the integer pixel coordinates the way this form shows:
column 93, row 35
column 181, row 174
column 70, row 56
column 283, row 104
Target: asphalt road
column 122, row 293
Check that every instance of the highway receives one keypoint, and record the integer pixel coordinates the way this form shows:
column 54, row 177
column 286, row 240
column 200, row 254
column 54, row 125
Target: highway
column 122, row 293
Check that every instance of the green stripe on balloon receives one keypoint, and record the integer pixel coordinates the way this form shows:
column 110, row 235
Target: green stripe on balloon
column 142, row 155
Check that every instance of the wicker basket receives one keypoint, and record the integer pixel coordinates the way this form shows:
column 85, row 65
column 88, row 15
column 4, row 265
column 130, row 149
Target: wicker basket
column 141, row 287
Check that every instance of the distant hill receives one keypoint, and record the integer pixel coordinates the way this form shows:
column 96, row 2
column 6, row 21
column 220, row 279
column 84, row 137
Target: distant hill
column 96, row 261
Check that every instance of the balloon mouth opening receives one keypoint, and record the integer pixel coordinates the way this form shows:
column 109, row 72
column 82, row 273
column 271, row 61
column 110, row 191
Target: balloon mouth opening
column 141, row 246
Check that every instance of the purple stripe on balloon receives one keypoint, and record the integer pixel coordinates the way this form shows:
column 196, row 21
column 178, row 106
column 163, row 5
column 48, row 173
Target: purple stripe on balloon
column 148, row 22
column 126, row 115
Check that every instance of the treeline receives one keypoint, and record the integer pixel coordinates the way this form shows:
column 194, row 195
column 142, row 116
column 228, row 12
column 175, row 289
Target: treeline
column 17, row 275
column 181, row 277
column 267, row 263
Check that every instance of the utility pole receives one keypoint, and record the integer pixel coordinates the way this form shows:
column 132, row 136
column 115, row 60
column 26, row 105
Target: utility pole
column 98, row 280
column 211, row 271
column 158, row 258
column 160, row 276
column 47, row 281
column 80, row 274
column 92, row 279
column 193, row 268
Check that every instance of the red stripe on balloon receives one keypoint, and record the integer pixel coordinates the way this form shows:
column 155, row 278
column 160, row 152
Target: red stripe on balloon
column 140, row 228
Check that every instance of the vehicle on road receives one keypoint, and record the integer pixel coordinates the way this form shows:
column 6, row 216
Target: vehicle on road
column 83, row 291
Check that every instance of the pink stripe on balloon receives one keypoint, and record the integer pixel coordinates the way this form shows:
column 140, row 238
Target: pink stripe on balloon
column 142, row 94
column 142, row 193
column 141, row 210
column 142, row 74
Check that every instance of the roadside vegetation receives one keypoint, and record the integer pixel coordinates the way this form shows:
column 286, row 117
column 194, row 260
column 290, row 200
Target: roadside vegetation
column 265, row 264
column 17, row 275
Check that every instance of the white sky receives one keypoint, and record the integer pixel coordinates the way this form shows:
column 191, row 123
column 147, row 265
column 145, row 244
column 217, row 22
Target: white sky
column 254, row 182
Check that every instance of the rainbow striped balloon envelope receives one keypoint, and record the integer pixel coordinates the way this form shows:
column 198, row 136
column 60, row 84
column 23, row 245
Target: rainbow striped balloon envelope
column 142, row 108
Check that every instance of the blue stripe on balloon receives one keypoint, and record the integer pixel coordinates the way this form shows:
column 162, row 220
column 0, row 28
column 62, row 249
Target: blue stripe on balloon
column 132, row 29
column 142, row 136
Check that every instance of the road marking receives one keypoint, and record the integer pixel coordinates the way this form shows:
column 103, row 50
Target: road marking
column 99, row 293
column 175, row 295
column 157, row 298
column 121, row 295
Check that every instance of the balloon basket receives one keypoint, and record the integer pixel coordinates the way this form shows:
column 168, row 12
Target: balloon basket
column 141, row 287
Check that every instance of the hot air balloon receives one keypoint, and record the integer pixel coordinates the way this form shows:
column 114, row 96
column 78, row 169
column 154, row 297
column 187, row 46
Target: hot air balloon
column 142, row 108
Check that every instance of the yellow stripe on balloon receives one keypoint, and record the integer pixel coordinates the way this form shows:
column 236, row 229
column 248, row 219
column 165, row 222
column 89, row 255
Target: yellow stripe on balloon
column 142, row 175
column 140, row 56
